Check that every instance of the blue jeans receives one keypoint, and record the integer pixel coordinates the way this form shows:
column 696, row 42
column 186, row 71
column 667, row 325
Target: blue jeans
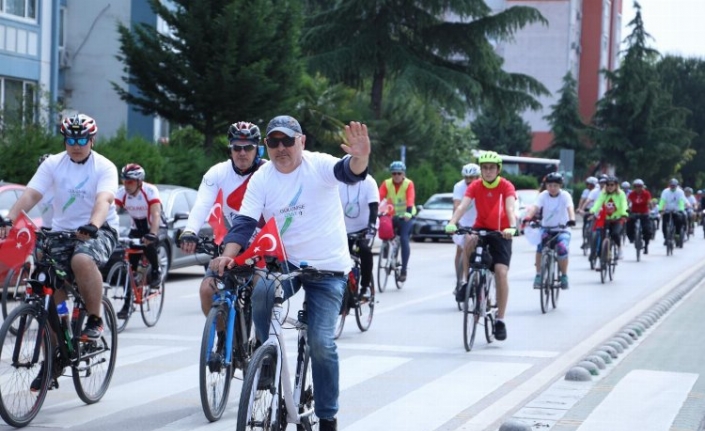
column 324, row 297
column 403, row 229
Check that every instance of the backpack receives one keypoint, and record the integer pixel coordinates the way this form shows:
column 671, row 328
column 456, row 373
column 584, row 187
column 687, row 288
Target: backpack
column 386, row 228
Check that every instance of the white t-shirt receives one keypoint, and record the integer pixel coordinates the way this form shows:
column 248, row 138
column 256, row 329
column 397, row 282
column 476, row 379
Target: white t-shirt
column 468, row 219
column 555, row 209
column 138, row 206
column 356, row 200
column 592, row 197
column 306, row 205
column 46, row 208
column 672, row 198
column 75, row 186
column 219, row 177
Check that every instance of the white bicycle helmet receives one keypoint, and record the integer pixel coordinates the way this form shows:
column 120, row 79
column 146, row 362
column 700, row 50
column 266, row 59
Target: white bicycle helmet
column 471, row 170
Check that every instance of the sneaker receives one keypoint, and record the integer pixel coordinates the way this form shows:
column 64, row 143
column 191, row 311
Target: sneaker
column 93, row 329
column 460, row 293
column 266, row 376
column 328, row 425
column 564, row 282
column 646, row 249
column 364, row 295
column 36, row 384
column 155, row 279
column 402, row 277
column 500, row 330
column 124, row 312
column 537, row 281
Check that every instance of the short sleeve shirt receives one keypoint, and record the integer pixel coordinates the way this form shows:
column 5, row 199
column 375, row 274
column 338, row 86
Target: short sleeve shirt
column 468, row 219
column 554, row 208
column 138, row 206
column 491, row 212
column 356, row 199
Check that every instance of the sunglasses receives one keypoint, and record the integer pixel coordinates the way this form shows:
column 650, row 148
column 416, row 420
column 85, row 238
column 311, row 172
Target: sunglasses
column 397, row 173
column 611, row 184
column 129, row 181
column 274, row 142
column 80, row 141
column 238, row 148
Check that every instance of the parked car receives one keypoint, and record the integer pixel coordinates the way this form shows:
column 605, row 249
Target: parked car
column 525, row 198
column 432, row 218
column 177, row 202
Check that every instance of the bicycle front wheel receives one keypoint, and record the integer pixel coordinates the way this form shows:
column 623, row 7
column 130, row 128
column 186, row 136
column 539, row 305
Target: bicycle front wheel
column 344, row 310
column 13, row 291
column 546, row 280
column 471, row 309
column 95, row 360
column 555, row 285
column 152, row 303
column 258, row 409
column 365, row 308
column 117, row 290
column 383, row 266
column 395, row 264
column 18, row 404
column 215, row 374
column 604, row 259
column 614, row 254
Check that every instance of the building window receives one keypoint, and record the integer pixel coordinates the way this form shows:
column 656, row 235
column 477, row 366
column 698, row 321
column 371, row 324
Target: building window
column 18, row 101
column 62, row 27
column 21, row 8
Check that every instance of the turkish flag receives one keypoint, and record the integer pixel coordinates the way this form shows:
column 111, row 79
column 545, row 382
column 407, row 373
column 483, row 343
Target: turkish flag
column 266, row 243
column 19, row 243
column 215, row 219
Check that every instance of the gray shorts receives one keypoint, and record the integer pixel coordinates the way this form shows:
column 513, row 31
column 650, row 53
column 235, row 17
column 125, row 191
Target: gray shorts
column 99, row 249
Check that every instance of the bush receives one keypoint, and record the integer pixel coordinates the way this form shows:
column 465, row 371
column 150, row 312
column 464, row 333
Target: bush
column 21, row 147
column 122, row 150
column 523, row 181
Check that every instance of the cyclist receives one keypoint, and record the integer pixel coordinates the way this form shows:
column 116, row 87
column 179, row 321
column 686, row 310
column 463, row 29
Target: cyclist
column 470, row 173
column 590, row 185
column 639, row 202
column 360, row 206
column 626, row 188
column 690, row 208
column 494, row 199
column 83, row 184
column 142, row 203
column 615, row 206
column 557, row 209
column 45, row 205
column 399, row 190
column 232, row 177
column 672, row 205
column 300, row 189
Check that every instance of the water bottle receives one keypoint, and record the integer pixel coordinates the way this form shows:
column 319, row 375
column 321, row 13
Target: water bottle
column 63, row 310
column 478, row 254
column 141, row 272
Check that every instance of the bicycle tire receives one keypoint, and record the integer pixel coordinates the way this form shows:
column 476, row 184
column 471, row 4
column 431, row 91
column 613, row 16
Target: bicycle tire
column 306, row 403
column 365, row 311
column 344, row 310
column 256, row 404
column 396, row 267
column 470, row 311
column 95, row 364
column 382, row 263
column 638, row 243
column 604, row 252
column 669, row 238
column 555, row 285
column 17, row 379
column 546, row 280
column 491, row 308
column 214, row 374
column 614, row 254
column 117, row 283
column 152, row 303
column 586, row 238
column 14, row 290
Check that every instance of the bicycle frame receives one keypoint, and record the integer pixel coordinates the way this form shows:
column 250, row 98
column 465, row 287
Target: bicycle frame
column 230, row 297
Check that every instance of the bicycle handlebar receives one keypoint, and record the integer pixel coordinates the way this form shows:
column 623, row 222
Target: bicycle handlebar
column 479, row 232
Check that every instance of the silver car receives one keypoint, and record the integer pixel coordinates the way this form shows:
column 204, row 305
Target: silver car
column 431, row 220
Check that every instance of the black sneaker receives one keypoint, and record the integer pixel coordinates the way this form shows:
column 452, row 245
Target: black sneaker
column 93, row 329
column 646, row 249
column 124, row 312
column 155, row 279
column 500, row 330
column 460, row 293
column 402, row 276
column 36, row 384
column 328, row 425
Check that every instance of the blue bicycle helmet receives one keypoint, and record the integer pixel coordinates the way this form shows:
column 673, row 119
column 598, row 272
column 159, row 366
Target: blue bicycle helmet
column 397, row 166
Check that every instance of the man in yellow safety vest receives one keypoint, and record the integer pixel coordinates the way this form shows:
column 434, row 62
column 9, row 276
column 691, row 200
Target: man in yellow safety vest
column 399, row 191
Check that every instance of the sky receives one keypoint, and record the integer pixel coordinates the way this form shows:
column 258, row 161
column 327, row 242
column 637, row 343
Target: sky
column 677, row 26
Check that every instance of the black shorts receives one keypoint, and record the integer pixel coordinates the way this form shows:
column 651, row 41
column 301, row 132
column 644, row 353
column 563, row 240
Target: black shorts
column 500, row 250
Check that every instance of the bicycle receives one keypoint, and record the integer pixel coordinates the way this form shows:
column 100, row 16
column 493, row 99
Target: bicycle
column 670, row 235
column 228, row 340
column 609, row 253
column 388, row 262
column 45, row 344
column 550, row 274
column 268, row 401
column 125, row 284
column 364, row 306
column 480, row 296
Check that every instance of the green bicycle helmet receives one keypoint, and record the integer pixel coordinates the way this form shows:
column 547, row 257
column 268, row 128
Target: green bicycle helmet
column 490, row 157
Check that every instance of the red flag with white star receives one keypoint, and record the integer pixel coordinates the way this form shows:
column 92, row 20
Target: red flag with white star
column 215, row 219
column 266, row 243
column 19, row 243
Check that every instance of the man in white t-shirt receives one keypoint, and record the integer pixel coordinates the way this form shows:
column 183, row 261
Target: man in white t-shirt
column 360, row 206
column 84, row 184
column 300, row 190
column 557, row 210
column 232, row 177
column 470, row 173
column 45, row 205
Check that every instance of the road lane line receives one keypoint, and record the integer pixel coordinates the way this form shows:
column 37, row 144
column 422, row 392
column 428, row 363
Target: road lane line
column 445, row 351
column 435, row 403
column 643, row 400
column 356, row 369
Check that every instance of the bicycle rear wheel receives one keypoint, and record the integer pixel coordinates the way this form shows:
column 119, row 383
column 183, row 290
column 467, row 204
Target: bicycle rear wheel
column 95, row 360
column 546, row 280
column 490, row 308
column 471, row 308
column 152, row 303
column 13, row 291
column 18, row 404
column 214, row 374
column 604, row 259
column 116, row 288
column 383, row 266
column 258, row 394
column 365, row 308
column 344, row 310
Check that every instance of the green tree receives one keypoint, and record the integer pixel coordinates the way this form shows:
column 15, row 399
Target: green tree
column 685, row 79
column 224, row 61
column 412, row 45
column 504, row 133
column 121, row 150
column 568, row 129
column 637, row 128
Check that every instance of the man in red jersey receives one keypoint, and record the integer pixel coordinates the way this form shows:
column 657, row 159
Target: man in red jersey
column 639, row 199
column 494, row 199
